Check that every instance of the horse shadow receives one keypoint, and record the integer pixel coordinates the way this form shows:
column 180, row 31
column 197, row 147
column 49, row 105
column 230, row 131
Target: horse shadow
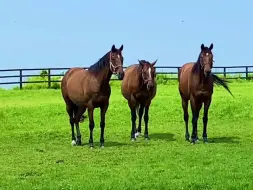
column 107, row 144
column 162, row 136
column 226, row 140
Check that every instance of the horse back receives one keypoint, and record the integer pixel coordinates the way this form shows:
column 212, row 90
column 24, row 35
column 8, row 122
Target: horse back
column 184, row 79
column 130, row 81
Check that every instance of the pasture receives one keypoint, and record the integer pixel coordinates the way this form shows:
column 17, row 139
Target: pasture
column 36, row 151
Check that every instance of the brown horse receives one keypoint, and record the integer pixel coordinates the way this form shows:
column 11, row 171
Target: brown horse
column 90, row 89
column 196, row 84
column 139, row 88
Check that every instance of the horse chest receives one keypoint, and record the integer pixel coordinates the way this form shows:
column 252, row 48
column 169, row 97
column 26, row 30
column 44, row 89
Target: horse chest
column 142, row 95
column 202, row 90
column 98, row 99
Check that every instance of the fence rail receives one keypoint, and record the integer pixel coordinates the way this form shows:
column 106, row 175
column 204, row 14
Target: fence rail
column 242, row 72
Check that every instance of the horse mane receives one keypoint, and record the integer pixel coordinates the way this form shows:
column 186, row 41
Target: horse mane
column 144, row 61
column 100, row 64
column 196, row 66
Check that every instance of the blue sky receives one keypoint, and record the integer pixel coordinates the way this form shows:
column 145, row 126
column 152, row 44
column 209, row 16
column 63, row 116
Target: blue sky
column 61, row 33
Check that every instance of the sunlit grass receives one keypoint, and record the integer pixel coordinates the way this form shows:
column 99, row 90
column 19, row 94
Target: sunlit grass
column 36, row 153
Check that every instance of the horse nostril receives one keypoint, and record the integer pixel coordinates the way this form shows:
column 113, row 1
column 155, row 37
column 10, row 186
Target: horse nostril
column 207, row 73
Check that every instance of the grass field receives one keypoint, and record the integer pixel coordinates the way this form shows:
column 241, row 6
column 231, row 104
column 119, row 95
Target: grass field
column 36, row 151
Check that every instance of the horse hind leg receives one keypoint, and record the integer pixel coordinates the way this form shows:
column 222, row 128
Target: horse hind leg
column 70, row 111
column 140, row 112
column 186, row 118
column 77, row 115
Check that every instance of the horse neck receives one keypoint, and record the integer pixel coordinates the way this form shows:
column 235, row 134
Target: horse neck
column 104, row 75
column 199, row 73
column 139, row 78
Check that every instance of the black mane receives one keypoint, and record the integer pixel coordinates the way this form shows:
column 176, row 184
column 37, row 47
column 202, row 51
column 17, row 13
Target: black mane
column 100, row 64
column 144, row 61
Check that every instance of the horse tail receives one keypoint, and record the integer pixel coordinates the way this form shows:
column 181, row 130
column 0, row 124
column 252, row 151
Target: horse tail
column 221, row 82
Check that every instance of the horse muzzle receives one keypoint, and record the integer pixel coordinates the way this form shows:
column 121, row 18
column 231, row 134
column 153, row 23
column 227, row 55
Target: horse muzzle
column 120, row 75
column 207, row 73
column 149, row 86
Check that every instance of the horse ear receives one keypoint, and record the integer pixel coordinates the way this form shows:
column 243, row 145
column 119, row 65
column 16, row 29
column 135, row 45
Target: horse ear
column 113, row 48
column 211, row 46
column 121, row 47
column 153, row 64
column 140, row 62
column 202, row 47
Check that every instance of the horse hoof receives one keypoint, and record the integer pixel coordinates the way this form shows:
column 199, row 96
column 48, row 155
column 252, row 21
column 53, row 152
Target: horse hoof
column 91, row 145
column 205, row 140
column 137, row 134
column 133, row 139
column 73, row 143
column 78, row 142
column 147, row 138
column 102, row 145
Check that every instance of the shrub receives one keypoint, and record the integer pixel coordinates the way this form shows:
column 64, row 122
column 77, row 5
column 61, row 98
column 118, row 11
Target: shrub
column 43, row 82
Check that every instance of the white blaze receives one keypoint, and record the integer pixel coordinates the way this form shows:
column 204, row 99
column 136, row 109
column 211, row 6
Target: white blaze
column 149, row 72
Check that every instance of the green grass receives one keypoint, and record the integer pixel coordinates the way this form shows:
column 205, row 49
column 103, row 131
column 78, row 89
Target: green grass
column 36, row 153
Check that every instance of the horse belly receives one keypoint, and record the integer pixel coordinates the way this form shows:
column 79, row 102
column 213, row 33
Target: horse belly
column 75, row 90
column 184, row 80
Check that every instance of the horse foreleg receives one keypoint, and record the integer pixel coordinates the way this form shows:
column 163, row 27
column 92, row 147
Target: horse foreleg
column 91, row 125
column 70, row 111
column 186, row 118
column 103, row 110
column 205, row 118
column 138, row 132
column 195, row 106
column 146, row 118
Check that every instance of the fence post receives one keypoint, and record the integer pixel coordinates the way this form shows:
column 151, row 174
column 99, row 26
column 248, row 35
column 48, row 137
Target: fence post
column 224, row 72
column 247, row 73
column 20, row 79
column 49, row 78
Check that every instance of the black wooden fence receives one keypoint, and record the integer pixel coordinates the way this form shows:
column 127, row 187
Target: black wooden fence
column 230, row 72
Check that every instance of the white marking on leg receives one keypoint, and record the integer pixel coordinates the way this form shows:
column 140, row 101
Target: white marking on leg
column 73, row 143
column 137, row 134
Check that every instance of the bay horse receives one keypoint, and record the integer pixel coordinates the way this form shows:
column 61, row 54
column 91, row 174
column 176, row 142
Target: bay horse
column 139, row 88
column 89, row 89
column 196, row 84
